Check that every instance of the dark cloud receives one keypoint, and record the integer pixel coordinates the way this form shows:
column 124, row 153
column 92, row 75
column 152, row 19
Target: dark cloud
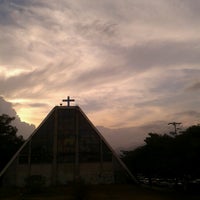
column 167, row 56
column 24, row 128
column 93, row 104
column 189, row 113
column 5, row 17
column 132, row 137
column 195, row 87
column 156, row 54
column 6, row 108
column 32, row 105
column 96, row 29
column 191, row 10
column 38, row 105
column 98, row 76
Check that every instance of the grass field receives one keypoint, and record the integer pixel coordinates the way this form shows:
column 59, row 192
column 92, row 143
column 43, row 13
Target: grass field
column 102, row 192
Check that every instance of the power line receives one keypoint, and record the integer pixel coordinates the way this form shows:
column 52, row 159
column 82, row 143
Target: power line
column 175, row 127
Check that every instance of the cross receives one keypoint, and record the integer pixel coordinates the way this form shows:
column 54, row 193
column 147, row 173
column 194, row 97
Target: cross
column 68, row 100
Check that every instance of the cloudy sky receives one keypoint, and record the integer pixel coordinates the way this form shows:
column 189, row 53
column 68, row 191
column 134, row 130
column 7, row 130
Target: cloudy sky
column 127, row 63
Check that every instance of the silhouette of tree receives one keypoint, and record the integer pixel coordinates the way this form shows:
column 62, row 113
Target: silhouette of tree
column 165, row 156
column 9, row 141
column 188, row 151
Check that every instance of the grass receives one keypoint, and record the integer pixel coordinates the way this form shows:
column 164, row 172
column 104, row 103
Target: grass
column 100, row 192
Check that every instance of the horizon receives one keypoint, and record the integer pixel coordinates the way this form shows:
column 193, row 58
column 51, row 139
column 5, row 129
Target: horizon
column 119, row 138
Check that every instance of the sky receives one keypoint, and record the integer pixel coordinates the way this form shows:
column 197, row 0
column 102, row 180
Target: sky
column 130, row 63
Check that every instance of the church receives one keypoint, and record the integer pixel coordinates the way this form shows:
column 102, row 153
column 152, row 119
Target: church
column 66, row 147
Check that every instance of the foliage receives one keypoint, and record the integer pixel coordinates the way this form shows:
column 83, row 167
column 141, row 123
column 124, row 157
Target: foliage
column 9, row 141
column 175, row 157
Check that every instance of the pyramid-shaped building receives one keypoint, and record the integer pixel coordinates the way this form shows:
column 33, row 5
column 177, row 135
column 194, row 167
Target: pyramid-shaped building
column 66, row 147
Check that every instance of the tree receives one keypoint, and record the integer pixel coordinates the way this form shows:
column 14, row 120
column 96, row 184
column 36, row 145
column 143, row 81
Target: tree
column 9, row 141
column 165, row 156
column 154, row 159
column 188, row 151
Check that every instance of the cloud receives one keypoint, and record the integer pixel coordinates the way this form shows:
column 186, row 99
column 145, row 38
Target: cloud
column 37, row 105
column 96, row 29
column 6, row 108
column 190, row 113
column 195, row 87
column 154, row 54
column 139, row 58
column 24, row 128
column 188, row 116
column 132, row 137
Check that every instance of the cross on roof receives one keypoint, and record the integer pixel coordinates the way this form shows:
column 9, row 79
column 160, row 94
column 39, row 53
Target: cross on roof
column 68, row 100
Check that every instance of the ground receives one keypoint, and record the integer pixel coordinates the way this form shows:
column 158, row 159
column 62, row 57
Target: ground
column 102, row 192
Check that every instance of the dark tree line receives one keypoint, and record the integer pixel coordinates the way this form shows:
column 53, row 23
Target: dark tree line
column 9, row 141
column 168, row 157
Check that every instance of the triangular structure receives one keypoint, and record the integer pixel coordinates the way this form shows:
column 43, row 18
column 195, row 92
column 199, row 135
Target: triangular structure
column 66, row 147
